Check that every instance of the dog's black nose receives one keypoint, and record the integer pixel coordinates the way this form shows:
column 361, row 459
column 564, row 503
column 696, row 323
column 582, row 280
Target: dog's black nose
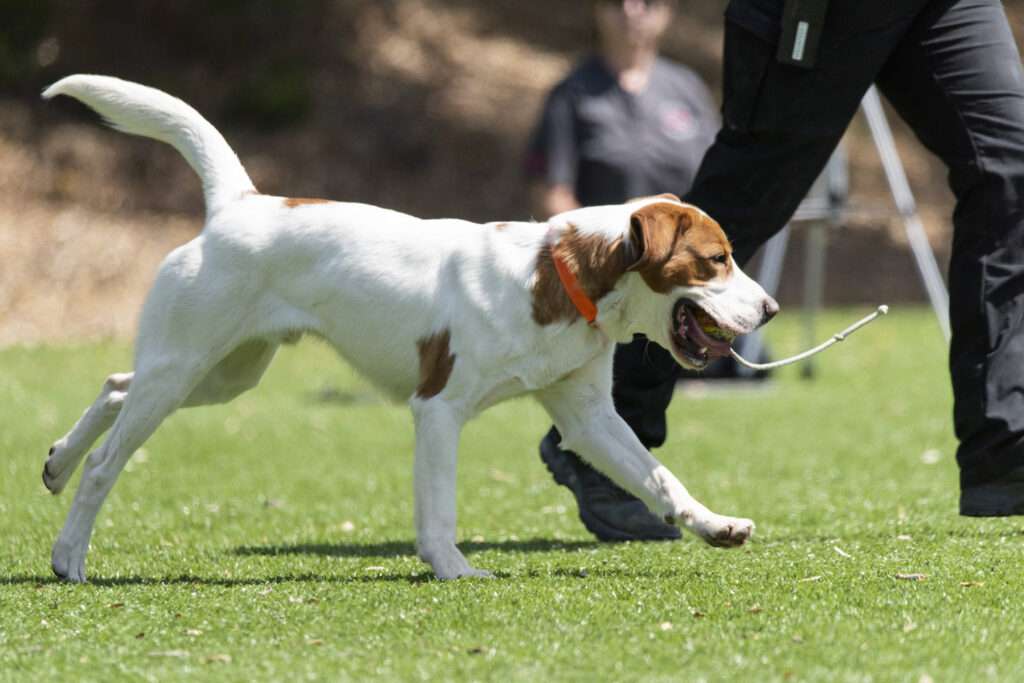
column 771, row 307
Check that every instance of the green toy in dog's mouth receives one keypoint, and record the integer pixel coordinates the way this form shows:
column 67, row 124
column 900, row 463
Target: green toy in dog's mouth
column 697, row 336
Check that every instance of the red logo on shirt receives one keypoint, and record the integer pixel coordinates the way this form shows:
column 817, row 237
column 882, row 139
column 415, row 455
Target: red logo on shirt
column 678, row 122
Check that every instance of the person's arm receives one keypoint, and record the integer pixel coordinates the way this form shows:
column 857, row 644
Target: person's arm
column 548, row 200
column 552, row 157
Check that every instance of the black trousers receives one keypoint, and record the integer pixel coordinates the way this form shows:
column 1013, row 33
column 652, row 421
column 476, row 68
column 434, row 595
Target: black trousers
column 952, row 71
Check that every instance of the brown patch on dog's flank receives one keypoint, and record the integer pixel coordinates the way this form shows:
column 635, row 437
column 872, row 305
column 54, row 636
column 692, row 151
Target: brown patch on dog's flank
column 436, row 363
column 597, row 263
column 292, row 202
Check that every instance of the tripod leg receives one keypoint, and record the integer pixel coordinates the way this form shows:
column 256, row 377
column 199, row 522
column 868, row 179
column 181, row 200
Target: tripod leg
column 768, row 276
column 900, row 188
column 814, row 285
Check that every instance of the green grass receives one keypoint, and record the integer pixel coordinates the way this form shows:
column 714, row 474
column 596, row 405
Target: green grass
column 271, row 539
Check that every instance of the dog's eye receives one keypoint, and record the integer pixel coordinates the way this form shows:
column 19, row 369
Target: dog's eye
column 720, row 259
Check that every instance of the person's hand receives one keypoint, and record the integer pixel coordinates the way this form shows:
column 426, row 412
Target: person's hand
column 550, row 200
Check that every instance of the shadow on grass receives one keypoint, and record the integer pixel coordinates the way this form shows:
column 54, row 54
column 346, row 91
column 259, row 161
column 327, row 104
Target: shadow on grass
column 42, row 582
column 382, row 550
column 399, row 548
column 343, row 398
column 190, row 580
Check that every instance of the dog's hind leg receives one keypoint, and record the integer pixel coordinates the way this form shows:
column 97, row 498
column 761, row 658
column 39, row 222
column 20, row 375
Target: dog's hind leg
column 155, row 393
column 437, row 441
column 68, row 451
column 238, row 372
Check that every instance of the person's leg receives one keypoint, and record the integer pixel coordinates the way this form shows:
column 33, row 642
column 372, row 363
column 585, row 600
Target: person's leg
column 957, row 79
column 781, row 124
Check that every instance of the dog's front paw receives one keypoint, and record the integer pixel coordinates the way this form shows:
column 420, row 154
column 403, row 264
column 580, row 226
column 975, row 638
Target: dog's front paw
column 68, row 562
column 473, row 573
column 449, row 563
column 727, row 532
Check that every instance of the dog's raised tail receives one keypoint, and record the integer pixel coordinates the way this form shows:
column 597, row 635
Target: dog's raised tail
column 140, row 110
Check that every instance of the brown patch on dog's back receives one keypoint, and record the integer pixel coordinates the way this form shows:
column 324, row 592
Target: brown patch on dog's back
column 597, row 263
column 501, row 226
column 292, row 202
column 436, row 363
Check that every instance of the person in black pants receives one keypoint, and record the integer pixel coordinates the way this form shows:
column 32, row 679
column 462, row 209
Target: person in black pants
column 624, row 123
column 794, row 75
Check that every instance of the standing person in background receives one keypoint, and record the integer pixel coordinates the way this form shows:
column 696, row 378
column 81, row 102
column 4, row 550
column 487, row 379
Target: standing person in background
column 624, row 123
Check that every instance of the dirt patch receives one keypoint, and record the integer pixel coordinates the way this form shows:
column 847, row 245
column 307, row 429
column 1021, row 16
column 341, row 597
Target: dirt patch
column 419, row 105
column 71, row 272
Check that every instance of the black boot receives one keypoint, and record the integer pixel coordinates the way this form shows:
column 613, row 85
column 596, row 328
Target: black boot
column 607, row 511
column 1000, row 498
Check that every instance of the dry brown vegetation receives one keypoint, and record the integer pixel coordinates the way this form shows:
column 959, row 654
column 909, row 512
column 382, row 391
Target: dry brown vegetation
column 419, row 105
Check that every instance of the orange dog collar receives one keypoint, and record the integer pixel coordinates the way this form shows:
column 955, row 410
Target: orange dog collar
column 574, row 290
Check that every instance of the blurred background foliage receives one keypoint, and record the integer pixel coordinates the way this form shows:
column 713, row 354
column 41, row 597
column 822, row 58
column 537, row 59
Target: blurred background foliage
column 431, row 98
column 419, row 105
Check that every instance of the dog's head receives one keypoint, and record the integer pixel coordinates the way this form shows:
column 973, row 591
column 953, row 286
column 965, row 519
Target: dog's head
column 673, row 265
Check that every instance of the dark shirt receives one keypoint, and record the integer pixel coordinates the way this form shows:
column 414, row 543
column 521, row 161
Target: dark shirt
column 610, row 145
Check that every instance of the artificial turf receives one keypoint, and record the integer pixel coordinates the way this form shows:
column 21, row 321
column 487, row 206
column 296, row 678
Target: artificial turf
column 272, row 538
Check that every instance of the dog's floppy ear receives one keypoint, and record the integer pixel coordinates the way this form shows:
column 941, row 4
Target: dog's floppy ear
column 653, row 231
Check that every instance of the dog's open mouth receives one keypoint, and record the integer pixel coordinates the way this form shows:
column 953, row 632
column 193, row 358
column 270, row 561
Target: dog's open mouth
column 696, row 336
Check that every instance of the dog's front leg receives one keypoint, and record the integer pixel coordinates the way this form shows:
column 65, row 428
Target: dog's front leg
column 582, row 409
column 437, row 442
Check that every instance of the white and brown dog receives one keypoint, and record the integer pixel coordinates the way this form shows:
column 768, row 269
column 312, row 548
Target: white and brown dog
column 448, row 315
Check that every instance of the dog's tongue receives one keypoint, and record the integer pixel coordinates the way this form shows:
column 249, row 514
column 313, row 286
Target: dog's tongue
column 689, row 327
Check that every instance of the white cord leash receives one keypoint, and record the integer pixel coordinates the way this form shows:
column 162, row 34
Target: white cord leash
column 838, row 337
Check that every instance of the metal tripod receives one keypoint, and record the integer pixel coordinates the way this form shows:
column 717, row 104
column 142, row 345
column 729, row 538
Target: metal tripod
column 825, row 207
